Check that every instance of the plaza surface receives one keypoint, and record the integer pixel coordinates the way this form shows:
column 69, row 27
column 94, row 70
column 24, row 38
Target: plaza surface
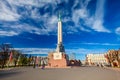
column 75, row 73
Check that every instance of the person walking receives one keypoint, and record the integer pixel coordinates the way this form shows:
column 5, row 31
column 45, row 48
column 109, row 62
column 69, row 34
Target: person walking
column 43, row 65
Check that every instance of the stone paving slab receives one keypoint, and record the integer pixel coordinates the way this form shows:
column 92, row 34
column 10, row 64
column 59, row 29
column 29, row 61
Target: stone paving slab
column 75, row 73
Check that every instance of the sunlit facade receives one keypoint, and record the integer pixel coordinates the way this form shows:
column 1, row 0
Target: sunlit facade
column 96, row 59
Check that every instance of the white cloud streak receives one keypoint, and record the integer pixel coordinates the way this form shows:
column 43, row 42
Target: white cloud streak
column 95, row 21
column 104, row 44
column 85, row 51
column 8, row 33
column 34, row 50
column 93, row 44
column 99, row 14
column 37, row 3
column 68, row 51
column 52, row 24
column 78, row 52
column 80, row 13
column 117, row 31
column 9, row 12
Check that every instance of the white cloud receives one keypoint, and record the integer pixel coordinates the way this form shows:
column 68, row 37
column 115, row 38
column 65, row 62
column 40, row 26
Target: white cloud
column 17, row 29
column 50, row 24
column 28, row 28
column 71, row 30
column 37, row 3
column 76, row 3
column 81, row 13
column 9, row 8
column 104, row 44
column 98, row 26
column 8, row 33
column 117, row 31
column 78, row 51
column 66, row 19
column 95, row 21
column 77, row 14
column 53, row 20
column 93, row 44
column 35, row 14
column 98, row 19
column 50, row 27
column 85, row 51
column 35, row 50
column 7, row 13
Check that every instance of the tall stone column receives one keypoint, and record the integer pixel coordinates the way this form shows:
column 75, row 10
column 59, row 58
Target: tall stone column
column 60, row 47
column 59, row 32
column 58, row 58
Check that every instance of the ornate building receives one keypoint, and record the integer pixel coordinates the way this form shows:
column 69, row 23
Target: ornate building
column 94, row 59
column 113, row 57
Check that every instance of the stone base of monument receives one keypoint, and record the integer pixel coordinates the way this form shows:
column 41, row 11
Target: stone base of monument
column 57, row 60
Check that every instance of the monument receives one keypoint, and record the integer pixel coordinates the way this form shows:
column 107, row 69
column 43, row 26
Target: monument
column 58, row 58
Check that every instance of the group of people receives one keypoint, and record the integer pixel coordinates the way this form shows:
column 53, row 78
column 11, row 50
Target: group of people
column 100, row 65
column 37, row 65
column 42, row 66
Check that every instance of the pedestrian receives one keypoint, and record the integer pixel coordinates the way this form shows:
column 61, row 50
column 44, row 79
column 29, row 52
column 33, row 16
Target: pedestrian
column 43, row 65
column 101, row 65
column 34, row 63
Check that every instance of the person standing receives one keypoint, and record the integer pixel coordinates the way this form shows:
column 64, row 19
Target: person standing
column 34, row 63
column 43, row 65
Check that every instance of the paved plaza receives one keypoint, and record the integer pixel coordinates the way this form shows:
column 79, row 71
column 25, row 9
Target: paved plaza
column 75, row 73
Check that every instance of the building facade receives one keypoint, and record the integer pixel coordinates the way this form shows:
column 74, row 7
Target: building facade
column 113, row 57
column 95, row 59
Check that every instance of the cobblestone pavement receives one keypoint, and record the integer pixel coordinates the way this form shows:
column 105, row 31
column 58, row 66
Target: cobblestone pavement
column 116, row 69
column 75, row 73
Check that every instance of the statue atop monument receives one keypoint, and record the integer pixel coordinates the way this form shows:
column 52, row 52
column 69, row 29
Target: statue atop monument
column 59, row 19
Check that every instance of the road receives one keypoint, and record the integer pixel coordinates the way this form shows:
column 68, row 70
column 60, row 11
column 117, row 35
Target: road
column 78, row 73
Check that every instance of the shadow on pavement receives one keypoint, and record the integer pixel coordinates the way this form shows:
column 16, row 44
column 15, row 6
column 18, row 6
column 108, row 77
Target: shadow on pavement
column 9, row 73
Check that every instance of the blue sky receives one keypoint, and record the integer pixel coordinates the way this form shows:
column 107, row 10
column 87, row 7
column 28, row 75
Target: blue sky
column 89, row 26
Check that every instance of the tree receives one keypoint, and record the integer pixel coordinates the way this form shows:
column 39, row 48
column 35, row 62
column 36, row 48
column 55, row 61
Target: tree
column 118, row 57
column 23, row 60
column 16, row 55
column 29, row 60
column 113, row 58
column 4, row 52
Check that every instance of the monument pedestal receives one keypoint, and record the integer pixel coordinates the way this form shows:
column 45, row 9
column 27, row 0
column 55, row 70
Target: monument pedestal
column 57, row 60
